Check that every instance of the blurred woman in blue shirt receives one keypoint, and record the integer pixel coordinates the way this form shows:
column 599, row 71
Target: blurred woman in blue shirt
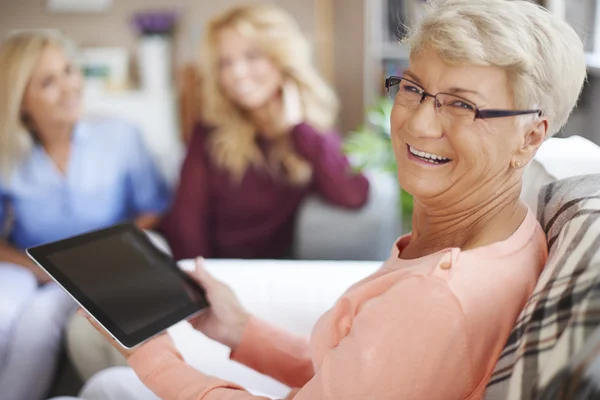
column 60, row 176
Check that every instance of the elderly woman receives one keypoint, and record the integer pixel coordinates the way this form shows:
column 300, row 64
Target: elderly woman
column 488, row 81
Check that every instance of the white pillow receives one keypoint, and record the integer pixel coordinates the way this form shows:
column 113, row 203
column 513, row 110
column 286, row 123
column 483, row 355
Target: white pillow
column 559, row 158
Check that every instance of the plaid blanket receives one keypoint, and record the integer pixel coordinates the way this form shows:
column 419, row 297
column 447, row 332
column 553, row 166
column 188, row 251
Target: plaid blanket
column 580, row 380
column 564, row 308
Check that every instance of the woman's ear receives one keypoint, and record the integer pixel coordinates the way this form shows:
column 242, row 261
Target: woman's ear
column 535, row 134
column 23, row 115
column 24, row 112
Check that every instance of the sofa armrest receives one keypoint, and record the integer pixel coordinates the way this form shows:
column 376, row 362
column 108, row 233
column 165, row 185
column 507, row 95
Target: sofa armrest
column 328, row 232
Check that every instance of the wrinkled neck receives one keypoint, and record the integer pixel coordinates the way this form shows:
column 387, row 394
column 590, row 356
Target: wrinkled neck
column 466, row 224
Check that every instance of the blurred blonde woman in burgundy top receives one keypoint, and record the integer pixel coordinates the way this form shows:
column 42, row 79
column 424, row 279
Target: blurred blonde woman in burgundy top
column 265, row 142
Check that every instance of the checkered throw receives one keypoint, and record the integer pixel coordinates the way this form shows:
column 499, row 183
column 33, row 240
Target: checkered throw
column 564, row 308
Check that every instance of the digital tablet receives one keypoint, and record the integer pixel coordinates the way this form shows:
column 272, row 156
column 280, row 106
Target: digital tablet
column 129, row 286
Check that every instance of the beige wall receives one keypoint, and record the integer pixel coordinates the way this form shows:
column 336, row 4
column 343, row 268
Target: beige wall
column 349, row 52
column 112, row 28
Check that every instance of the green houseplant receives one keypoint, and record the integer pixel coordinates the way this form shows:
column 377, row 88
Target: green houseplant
column 370, row 147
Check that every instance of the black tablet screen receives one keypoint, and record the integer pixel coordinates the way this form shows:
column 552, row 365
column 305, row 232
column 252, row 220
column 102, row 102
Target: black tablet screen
column 124, row 278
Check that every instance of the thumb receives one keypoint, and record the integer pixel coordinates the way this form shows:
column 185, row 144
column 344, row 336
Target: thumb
column 200, row 275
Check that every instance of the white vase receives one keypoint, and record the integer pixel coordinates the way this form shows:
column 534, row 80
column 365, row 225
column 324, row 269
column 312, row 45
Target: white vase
column 155, row 61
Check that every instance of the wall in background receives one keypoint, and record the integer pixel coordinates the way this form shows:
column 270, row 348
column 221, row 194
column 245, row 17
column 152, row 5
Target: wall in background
column 113, row 28
column 349, row 56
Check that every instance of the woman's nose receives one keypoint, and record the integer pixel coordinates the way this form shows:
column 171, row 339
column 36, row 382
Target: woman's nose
column 71, row 82
column 424, row 121
column 239, row 69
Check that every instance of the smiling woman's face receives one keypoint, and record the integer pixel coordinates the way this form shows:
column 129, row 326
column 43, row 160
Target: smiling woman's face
column 479, row 152
column 53, row 94
column 247, row 76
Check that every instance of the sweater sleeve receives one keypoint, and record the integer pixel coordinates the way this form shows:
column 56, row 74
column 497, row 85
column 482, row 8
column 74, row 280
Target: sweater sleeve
column 186, row 224
column 384, row 355
column 274, row 352
column 332, row 174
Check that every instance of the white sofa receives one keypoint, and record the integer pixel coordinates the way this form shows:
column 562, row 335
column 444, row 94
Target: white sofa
column 293, row 294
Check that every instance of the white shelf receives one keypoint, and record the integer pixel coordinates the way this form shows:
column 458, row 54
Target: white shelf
column 393, row 51
column 154, row 112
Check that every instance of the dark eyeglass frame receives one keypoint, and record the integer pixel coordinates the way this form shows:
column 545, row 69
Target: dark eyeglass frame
column 479, row 114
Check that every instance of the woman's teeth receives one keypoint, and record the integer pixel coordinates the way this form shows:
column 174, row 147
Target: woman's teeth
column 429, row 157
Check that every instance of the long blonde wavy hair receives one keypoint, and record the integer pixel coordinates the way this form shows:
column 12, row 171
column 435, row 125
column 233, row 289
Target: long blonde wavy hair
column 232, row 144
column 19, row 54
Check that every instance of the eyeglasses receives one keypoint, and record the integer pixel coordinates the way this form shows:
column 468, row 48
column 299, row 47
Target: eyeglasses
column 409, row 94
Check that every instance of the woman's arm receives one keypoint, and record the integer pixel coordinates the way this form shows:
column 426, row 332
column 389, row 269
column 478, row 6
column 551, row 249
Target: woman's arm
column 186, row 224
column 17, row 257
column 10, row 254
column 332, row 174
column 419, row 351
column 274, row 352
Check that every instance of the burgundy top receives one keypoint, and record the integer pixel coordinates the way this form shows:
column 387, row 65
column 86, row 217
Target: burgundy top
column 215, row 217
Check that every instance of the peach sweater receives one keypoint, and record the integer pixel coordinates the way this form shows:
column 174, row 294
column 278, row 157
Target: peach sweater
column 428, row 328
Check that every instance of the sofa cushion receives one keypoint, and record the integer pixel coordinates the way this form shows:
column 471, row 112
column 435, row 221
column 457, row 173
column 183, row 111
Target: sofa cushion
column 565, row 306
column 559, row 158
column 328, row 232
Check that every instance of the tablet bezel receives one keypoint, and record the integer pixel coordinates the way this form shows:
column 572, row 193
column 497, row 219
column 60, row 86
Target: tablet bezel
column 40, row 255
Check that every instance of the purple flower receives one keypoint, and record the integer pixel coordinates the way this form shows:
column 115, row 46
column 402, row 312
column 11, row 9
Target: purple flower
column 155, row 22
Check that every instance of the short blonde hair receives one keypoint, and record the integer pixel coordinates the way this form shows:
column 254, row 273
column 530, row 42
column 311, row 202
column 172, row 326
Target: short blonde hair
column 543, row 56
column 19, row 54
column 232, row 144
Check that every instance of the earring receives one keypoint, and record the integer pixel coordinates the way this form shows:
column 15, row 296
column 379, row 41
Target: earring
column 516, row 164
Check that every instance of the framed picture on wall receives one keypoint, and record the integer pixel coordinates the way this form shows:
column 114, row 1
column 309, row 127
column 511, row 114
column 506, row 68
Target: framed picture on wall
column 78, row 6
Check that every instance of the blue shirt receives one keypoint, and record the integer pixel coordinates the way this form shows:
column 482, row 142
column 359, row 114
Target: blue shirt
column 110, row 178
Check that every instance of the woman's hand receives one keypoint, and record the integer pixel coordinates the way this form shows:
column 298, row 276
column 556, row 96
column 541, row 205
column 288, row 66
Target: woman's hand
column 41, row 276
column 283, row 113
column 10, row 254
column 147, row 221
column 225, row 319
column 292, row 106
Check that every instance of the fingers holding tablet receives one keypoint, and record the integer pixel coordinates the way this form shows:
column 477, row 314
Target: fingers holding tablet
column 226, row 319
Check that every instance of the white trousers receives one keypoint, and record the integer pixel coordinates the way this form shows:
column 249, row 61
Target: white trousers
column 118, row 383
column 32, row 321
